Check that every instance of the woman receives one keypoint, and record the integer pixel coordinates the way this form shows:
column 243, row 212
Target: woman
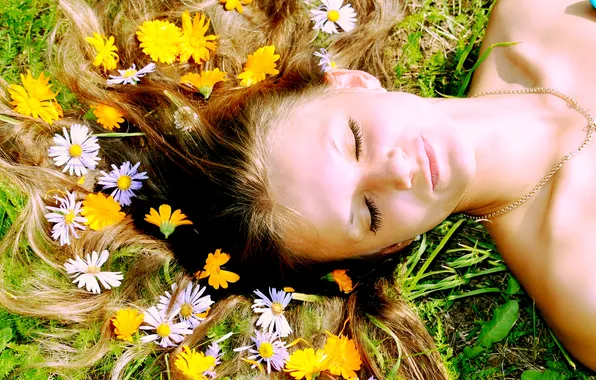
column 380, row 168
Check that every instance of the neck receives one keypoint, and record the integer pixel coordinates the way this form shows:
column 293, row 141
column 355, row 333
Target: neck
column 517, row 139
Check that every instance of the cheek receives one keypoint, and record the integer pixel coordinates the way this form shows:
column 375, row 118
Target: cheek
column 406, row 216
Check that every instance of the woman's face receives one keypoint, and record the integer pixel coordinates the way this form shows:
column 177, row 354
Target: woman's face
column 364, row 170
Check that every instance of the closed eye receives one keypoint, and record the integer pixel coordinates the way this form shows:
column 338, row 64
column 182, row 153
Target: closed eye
column 357, row 131
column 375, row 214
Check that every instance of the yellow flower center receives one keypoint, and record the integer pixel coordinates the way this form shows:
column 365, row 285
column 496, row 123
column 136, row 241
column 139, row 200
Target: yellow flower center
column 93, row 269
column 34, row 103
column 75, row 150
column 129, row 73
column 333, row 15
column 124, row 182
column 163, row 330
column 186, row 310
column 333, row 65
column 277, row 308
column 266, row 350
column 69, row 217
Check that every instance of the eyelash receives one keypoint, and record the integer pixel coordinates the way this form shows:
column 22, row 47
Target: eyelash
column 357, row 131
column 375, row 215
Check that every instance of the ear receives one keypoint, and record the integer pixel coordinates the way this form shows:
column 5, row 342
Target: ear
column 352, row 80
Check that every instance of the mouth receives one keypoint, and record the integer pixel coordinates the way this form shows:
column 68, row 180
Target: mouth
column 432, row 162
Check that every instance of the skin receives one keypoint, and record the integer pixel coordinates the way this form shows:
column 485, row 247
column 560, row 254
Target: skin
column 489, row 152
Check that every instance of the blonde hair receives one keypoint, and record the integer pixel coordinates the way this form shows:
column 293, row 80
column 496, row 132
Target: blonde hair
column 223, row 157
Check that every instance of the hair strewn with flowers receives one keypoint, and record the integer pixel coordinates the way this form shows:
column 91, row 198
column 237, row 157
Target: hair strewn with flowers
column 176, row 200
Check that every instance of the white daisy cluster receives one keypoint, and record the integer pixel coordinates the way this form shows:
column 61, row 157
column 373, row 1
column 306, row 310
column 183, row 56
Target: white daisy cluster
column 87, row 272
column 267, row 347
column 333, row 14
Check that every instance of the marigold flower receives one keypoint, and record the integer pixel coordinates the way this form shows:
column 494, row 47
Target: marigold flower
column 126, row 323
column 160, row 40
column 101, row 211
column 106, row 51
column 193, row 364
column 195, row 43
column 109, row 117
column 235, row 4
column 342, row 356
column 217, row 276
column 343, row 280
column 258, row 65
column 165, row 220
column 306, row 363
column 35, row 98
column 205, row 81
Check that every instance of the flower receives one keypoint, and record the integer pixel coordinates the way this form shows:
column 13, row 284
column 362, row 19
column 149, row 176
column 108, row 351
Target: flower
column 87, row 272
column 342, row 279
column 272, row 311
column 205, row 81
column 258, row 65
column 77, row 151
column 165, row 220
column 342, row 356
column 107, row 116
column 194, row 41
column 235, row 4
column 160, row 40
column 306, row 363
column 125, row 180
column 167, row 333
column 326, row 63
column 126, row 322
column 193, row 364
column 217, row 276
column 189, row 302
column 131, row 75
column 35, row 98
column 66, row 217
column 331, row 14
column 267, row 348
column 106, row 51
column 214, row 351
column 101, row 211
column 184, row 118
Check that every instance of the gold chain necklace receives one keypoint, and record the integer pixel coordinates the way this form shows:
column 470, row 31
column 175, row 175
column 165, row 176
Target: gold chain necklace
column 573, row 104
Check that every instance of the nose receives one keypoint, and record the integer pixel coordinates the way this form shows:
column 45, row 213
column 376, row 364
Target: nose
column 394, row 170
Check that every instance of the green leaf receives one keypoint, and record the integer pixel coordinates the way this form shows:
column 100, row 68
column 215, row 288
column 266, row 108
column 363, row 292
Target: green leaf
column 513, row 286
column 5, row 337
column 472, row 352
column 546, row 375
column 499, row 326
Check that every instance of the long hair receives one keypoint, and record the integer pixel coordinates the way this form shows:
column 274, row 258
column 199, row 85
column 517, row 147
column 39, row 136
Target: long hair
column 215, row 169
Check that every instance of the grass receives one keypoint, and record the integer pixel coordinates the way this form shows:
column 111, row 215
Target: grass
column 485, row 326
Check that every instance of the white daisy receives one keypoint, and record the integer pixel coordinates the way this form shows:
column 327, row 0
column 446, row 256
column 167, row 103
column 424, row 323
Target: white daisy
column 189, row 303
column 272, row 317
column 125, row 180
column 331, row 14
column 77, row 151
column 326, row 63
column 87, row 272
column 167, row 333
column 66, row 217
column 214, row 351
column 268, row 348
column 131, row 75
column 185, row 118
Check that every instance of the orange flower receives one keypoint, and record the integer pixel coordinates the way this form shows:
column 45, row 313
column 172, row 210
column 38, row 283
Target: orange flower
column 107, row 116
column 165, row 220
column 212, row 269
column 101, row 211
column 343, row 357
column 343, row 280
column 126, row 323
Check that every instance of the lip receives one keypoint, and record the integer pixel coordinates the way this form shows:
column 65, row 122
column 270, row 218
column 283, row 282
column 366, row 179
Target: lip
column 432, row 162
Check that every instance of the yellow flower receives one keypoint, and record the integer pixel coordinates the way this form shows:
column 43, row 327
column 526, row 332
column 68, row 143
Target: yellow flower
column 101, row 211
column 205, row 81
column 107, row 116
column 194, row 41
column 306, row 363
column 192, row 363
column 258, row 65
column 212, row 269
column 126, row 322
column 235, row 4
column 165, row 220
column 160, row 40
column 35, row 98
column 106, row 51
column 343, row 280
column 342, row 356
